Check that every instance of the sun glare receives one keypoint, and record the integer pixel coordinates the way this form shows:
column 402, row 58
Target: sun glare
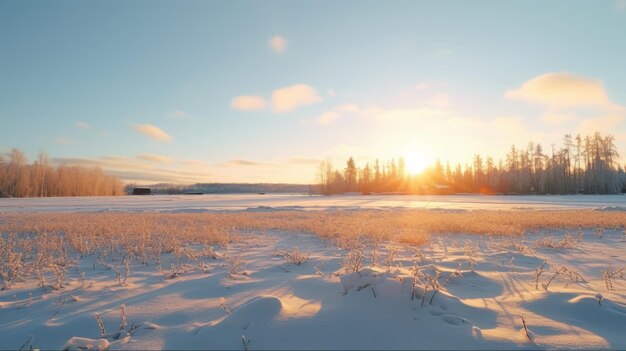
column 414, row 162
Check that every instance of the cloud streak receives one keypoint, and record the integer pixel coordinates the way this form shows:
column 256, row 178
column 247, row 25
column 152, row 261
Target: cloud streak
column 248, row 103
column 154, row 158
column 290, row 98
column 283, row 100
column 153, row 132
column 561, row 90
column 136, row 169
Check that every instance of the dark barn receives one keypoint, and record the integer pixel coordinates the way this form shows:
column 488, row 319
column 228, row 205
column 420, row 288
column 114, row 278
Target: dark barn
column 142, row 191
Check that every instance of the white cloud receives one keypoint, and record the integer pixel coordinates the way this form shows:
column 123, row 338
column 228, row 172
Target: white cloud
column 290, row 98
column 278, row 44
column 620, row 5
column 561, row 90
column 82, row 125
column 327, row 117
column 331, row 93
column 154, row 158
column 153, row 132
column 570, row 98
column 248, row 103
column 604, row 124
column 336, row 113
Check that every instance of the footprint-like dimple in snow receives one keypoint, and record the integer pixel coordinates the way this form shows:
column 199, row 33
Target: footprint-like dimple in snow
column 256, row 311
column 454, row 319
column 474, row 285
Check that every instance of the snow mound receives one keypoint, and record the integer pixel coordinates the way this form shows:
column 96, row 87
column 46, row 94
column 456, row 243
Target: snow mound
column 584, row 311
column 258, row 309
column 78, row 343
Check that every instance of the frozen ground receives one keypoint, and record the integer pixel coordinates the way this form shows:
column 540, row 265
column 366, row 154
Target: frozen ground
column 199, row 203
column 273, row 304
column 456, row 292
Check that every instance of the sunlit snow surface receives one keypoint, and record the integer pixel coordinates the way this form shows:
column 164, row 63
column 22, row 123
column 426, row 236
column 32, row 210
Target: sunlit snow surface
column 273, row 304
column 199, row 203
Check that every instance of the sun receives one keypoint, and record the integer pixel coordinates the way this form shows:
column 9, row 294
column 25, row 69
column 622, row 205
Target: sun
column 414, row 163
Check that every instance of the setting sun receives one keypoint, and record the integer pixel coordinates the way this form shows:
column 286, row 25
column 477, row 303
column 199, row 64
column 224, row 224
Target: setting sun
column 415, row 163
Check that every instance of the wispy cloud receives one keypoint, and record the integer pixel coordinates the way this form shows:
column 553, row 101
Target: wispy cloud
column 82, row 125
column 620, row 5
column 278, row 44
column 571, row 98
column 244, row 162
column 136, row 170
column 290, row 98
column 153, row 132
column 334, row 114
column 155, row 158
column 178, row 114
column 604, row 124
column 248, row 103
column 561, row 90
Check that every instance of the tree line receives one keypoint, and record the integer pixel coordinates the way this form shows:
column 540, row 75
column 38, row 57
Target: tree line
column 18, row 178
column 223, row 188
column 581, row 165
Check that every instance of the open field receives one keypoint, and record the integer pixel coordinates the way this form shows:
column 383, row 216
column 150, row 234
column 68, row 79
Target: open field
column 254, row 202
column 145, row 276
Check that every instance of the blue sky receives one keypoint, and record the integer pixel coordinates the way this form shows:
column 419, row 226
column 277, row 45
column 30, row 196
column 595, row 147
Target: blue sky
column 187, row 91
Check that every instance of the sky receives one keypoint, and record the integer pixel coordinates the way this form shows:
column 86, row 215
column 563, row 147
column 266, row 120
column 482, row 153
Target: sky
column 263, row 91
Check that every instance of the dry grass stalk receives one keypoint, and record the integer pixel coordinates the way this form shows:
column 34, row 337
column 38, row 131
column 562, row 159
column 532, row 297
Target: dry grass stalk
column 123, row 323
column 569, row 274
column 294, row 256
column 222, row 302
column 103, row 330
column 610, row 275
column 538, row 273
column 526, row 329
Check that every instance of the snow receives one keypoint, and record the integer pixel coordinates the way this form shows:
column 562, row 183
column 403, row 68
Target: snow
column 77, row 343
column 255, row 202
column 483, row 286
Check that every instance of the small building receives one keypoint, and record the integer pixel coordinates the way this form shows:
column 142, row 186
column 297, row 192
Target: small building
column 142, row 191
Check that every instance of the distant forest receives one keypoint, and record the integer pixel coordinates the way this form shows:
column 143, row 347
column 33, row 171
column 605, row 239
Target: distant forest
column 582, row 165
column 18, row 178
column 224, row 188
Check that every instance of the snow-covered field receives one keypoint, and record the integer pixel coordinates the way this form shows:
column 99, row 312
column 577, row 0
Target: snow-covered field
column 289, row 289
column 200, row 203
